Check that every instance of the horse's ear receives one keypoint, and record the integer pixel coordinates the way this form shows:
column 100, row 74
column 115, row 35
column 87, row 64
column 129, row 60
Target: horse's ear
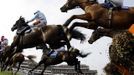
column 20, row 16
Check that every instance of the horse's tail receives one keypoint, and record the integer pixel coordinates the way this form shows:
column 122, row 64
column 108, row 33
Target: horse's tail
column 77, row 35
column 83, row 55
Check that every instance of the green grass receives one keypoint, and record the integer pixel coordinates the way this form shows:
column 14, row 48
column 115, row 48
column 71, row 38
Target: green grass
column 6, row 73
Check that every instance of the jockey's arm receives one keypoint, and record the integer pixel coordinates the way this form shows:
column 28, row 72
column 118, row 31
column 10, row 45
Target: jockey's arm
column 33, row 18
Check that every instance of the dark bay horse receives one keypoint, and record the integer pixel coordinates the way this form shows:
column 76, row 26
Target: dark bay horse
column 18, row 58
column 100, row 32
column 97, row 15
column 50, row 34
column 63, row 56
column 4, row 56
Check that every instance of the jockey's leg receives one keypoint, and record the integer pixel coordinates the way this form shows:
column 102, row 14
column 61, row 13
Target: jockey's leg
column 54, row 52
column 41, row 24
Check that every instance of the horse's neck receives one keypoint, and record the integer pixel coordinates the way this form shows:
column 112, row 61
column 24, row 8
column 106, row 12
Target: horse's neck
column 84, row 5
column 105, row 32
column 110, row 33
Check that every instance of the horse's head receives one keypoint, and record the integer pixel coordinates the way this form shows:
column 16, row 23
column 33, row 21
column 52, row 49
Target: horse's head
column 71, row 4
column 76, row 52
column 95, row 36
column 18, row 23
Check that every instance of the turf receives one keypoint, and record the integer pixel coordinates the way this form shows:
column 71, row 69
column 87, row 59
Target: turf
column 6, row 73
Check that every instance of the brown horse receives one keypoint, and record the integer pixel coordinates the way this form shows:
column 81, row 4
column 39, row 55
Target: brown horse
column 100, row 32
column 54, row 35
column 18, row 58
column 120, row 51
column 62, row 56
column 97, row 15
column 4, row 56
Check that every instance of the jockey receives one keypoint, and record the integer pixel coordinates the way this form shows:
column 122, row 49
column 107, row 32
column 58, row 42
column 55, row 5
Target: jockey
column 4, row 42
column 114, row 3
column 54, row 52
column 40, row 20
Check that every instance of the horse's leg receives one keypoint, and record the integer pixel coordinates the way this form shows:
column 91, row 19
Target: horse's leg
column 76, row 65
column 14, row 43
column 122, row 69
column 7, row 61
column 36, row 66
column 2, row 66
column 82, row 17
column 43, row 69
column 79, row 70
column 18, row 68
column 90, row 25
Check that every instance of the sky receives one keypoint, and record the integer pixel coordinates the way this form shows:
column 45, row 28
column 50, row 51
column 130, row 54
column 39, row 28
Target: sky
column 11, row 10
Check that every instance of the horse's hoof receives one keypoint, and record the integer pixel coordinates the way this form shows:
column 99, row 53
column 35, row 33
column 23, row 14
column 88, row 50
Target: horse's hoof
column 80, row 72
column 30, row 72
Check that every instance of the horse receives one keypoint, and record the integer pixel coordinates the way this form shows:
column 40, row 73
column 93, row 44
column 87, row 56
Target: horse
column 4, row 56
column 50, row 34
column 110, row 69
column 96, row 15
column 100, row 32
column 62, row 56
column 121, row 47
column 121, row 52
column 18, row 58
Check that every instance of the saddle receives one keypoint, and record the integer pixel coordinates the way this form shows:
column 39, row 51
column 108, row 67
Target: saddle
column 112, row 8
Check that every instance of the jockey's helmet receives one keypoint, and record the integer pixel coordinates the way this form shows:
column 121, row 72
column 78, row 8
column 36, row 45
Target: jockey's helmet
column 36, row 12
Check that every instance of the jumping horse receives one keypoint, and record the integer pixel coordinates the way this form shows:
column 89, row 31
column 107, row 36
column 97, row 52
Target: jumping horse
column 50, row 34
column 100, row 32
column 16, row 58
column 96, row 15
column 53, row 35
column 62, row 56
column 121, row 39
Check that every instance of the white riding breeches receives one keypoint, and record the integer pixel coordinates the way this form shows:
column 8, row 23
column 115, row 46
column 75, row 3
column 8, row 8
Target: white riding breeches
column 54, row 54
